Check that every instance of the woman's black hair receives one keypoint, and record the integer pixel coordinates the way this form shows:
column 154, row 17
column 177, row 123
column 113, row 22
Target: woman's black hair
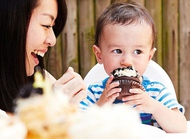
column 15, row 17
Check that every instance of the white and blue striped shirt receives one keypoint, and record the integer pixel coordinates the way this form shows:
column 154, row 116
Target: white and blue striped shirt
column 154, row 88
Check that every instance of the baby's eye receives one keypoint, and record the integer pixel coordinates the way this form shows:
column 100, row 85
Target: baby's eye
column 137, row 52
column 118, row 51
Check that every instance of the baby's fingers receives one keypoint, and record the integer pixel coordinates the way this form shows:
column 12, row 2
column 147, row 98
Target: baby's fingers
column 136, row 91
column 110, row 80
column 114, row 91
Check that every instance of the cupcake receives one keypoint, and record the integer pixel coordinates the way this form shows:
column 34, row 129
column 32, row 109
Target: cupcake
column 128, row 78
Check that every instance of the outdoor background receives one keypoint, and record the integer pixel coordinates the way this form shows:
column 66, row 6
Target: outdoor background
column 173, row 41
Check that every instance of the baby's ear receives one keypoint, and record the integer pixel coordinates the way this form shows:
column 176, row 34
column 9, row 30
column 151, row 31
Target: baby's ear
column 97, row 53
column 152, row 52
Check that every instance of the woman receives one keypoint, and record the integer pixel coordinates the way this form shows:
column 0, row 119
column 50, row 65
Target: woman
column 27, row 29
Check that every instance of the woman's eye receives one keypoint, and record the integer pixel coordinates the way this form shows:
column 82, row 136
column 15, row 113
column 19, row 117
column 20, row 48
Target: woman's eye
column 137, row 52
column 47, row 26
column 118, row 51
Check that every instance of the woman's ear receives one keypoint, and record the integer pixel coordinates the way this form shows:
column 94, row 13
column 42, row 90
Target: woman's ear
column 97, row 53
column 152, row 52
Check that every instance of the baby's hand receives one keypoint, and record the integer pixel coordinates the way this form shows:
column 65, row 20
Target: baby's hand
column 110, row 93
column 141, row 100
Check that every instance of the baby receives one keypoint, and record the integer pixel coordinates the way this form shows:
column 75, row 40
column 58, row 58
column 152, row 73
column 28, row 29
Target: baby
column 125, row 36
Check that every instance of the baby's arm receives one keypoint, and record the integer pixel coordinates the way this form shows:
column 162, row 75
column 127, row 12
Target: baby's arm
column 171, row 120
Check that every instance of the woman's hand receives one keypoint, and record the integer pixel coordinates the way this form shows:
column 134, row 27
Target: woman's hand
column 110, row 92
column 71, row 84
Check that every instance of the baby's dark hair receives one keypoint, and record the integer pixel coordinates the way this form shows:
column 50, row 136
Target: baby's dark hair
column 124, row 13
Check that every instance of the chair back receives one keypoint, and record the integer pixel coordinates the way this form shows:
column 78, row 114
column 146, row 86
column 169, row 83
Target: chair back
column 153, row 72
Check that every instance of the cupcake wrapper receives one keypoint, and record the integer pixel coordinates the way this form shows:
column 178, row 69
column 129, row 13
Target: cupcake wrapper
column 127, row 83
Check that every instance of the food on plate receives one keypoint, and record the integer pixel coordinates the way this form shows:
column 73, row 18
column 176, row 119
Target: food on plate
column 46, row 114
column 11, row 127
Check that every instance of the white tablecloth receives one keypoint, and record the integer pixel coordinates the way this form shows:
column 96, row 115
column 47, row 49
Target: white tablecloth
column 148, row 132
column 180, row 135
column 151, row 132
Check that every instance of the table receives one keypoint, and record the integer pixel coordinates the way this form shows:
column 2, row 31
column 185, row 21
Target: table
column 180, row 135
column 147, row 132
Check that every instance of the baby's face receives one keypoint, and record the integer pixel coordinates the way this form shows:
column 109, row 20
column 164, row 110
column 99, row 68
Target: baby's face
column 124, row 45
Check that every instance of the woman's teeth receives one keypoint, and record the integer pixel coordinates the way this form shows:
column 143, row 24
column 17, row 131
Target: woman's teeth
column 39, row 53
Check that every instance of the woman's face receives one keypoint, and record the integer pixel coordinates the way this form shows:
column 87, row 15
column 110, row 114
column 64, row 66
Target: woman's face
column 40, row 33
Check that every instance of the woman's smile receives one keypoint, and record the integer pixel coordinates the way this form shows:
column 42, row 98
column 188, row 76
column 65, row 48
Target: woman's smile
column 35, row 58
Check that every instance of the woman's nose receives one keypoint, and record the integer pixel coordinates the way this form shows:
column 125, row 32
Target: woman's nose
column 51, row 39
